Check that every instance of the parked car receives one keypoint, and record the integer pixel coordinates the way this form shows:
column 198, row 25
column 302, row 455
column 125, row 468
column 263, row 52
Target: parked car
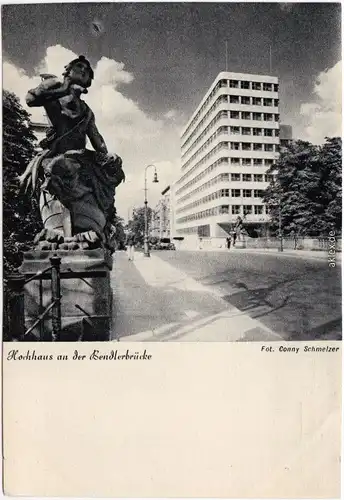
column 165, row 244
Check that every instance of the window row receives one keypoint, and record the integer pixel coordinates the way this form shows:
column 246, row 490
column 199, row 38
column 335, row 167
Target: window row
column 221, row 193
column 244, row 115
column 256, row 162
column 248, row 209
column 221, row 115
column 235, row 177
column 234, row 130
column 254, row 101
column 257, row 132
column 188, row 230
column 220, row 161
column 223, row 209
column 208, row 142
column 247, row 193
column 213, row 196
column 252, row 177
column 247, row 85
column 204, row 231
column 248, row 115
column 206, row 185
column 218, row 148
column 204, row 120
column 225, row 99
column 256, row 146
column 233, row 161
column 210, row 212
column 201, row 111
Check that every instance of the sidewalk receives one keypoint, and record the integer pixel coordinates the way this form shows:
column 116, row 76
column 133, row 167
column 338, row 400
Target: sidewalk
column 154, row 301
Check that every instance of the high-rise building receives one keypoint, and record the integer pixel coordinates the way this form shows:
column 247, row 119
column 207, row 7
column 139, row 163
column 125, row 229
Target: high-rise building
column 227, row 147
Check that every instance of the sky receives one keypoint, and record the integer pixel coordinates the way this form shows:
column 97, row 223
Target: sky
column 154, row 62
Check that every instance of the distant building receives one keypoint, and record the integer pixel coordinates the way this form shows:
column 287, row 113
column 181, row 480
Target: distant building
column 161, row 216
column 155, row 221
column 40, row 129
column 227, row 147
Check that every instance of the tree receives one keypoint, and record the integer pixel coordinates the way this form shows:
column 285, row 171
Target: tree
column 21, row 218
column 306, row 190
column 331, row 182
column 137, row 224
column 118, row 223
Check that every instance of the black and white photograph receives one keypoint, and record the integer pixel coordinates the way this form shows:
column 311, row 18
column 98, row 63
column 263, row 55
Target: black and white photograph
column 172, row 172
column 172, row 249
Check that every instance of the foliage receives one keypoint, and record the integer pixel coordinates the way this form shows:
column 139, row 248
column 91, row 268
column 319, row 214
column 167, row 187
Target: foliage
column 118, row 224
column 137, row 223
column 306, row 191
column 21, row 218
column 153, row 240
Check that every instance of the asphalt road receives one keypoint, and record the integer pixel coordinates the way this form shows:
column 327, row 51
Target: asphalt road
column 297, row 298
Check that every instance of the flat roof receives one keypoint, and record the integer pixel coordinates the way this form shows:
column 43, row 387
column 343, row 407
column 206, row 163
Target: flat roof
column 224, row 75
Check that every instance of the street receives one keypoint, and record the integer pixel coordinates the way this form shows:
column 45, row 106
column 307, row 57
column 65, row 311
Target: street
column 225, row 296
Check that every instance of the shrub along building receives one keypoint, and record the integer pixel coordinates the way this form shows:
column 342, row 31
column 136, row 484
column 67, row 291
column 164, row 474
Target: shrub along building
column 229, row 143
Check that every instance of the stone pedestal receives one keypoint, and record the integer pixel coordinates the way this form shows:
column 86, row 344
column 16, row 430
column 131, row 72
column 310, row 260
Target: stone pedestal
column 86, row 295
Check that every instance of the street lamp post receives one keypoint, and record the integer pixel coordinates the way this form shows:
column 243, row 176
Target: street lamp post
column 146, row 237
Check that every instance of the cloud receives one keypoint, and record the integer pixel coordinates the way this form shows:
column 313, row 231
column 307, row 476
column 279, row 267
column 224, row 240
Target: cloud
column 323, row 114
column 128, row 131
column 110, row 72
column 55, row 60
column 171, row 114
column 17, row 81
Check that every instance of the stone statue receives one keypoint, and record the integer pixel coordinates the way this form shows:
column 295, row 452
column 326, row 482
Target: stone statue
column 75, row 185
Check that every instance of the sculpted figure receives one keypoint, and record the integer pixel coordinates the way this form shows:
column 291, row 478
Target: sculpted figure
column 76, row 186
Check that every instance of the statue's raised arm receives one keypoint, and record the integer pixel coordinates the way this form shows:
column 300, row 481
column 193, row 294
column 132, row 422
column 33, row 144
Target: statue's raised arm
column 76, row 185
column 49, row 90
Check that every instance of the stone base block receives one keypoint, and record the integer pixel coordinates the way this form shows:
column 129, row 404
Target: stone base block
column 74, row 329
column 86, row 294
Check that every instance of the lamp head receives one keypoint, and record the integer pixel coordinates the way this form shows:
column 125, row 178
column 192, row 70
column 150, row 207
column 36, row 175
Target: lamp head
column 155, row 178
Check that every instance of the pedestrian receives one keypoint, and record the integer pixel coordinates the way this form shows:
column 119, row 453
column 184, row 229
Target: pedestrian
column 234, row 237
column 130, row 246
column 228, row 241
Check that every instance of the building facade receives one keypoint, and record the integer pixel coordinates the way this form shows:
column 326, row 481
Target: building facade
column 40, row 130
column 161, row 216
column 227, row 147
